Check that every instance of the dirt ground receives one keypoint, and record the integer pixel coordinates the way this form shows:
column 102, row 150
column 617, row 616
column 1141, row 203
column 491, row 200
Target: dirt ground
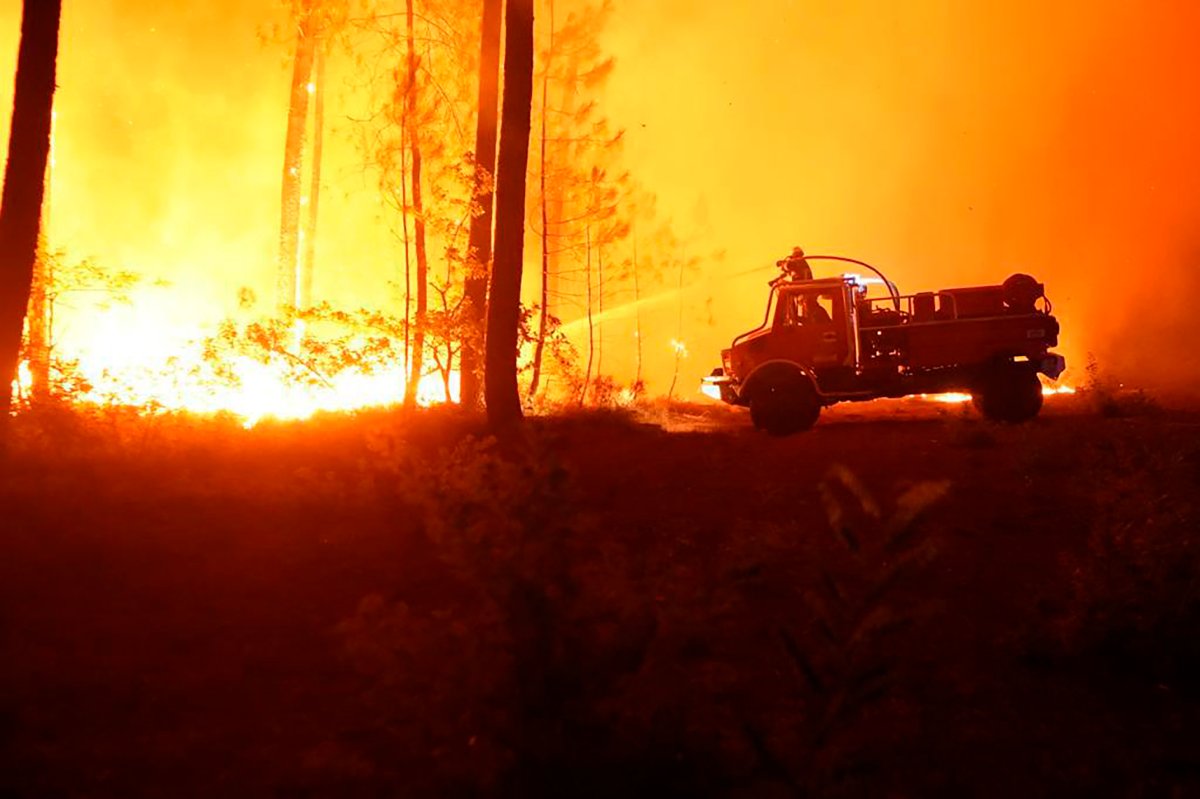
column 904, row 601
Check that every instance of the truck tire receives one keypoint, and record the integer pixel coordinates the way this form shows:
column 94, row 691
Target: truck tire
column 785, row 403
column 1009, row 393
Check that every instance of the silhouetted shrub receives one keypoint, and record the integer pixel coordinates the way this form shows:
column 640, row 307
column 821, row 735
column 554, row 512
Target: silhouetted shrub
column 1110, row 398
column 505, row 683
column 1137, row 599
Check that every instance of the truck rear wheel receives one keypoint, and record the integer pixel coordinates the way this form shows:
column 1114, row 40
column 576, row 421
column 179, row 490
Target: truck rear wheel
column 1011, row 393
column 785, row 404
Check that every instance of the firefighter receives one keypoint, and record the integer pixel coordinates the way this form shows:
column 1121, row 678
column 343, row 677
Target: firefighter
column 815, row 313
column 795, row 266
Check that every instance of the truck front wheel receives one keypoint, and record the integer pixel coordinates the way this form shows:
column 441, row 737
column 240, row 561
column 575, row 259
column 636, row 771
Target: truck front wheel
column 785, row 404
column 1011, row 393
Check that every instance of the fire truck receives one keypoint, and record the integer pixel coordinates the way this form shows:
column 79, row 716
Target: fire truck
column 825, row 341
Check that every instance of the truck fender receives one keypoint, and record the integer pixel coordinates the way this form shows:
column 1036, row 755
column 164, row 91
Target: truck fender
column 771, row 371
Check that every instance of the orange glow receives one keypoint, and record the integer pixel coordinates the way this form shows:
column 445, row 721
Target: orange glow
column 951, row 398
column 257, row 391
column 956, row 397
column 713, row 391
column 261, row 392
column 949, row 144
column 24, row 380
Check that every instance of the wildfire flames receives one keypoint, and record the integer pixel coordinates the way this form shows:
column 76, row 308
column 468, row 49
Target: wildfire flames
column 256, row 391
column 169, row 133
column 182, row 374
column 956, row 398
column 950, row 398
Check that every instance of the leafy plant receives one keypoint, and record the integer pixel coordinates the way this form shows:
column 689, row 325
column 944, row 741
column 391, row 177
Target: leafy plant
column 521, row 660
column 841, row 654
column 310, row 346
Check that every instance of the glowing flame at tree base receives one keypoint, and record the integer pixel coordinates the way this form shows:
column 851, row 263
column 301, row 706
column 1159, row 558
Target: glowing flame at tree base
column 287, row 367
column 249, row 389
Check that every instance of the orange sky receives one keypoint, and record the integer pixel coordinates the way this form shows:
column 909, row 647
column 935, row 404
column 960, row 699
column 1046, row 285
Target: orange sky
column 949, row 143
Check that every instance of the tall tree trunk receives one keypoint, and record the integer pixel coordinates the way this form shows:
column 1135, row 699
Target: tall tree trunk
column 38, row 340
column 25, row 179
column 504, row 306
column 544, row 310
column 587, row 373
column 417, row 356
column 475, row 285
column 560, row 231
column 407, row 249
column 600, row 310
column 637, row 306
column 679, row 350
column 40, row 335
column 308, row 265
column 293, row 160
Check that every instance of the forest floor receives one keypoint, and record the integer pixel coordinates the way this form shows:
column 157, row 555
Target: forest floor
column 905, row 600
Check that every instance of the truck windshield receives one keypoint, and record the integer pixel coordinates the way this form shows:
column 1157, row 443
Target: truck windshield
column 807, row 308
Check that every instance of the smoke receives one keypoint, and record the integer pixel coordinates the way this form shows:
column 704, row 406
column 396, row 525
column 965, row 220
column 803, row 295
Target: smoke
column 168, row 153
column 947, row 143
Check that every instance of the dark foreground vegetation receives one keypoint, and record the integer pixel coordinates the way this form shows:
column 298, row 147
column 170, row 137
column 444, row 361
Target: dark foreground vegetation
column 904, row 601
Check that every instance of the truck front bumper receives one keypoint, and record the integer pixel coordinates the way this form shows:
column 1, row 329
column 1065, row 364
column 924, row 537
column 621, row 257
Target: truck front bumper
column 719, row 386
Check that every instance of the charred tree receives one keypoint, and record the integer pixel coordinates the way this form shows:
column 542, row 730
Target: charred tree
column 293, row 158
column 637, row 306
column 599, row 309
column 577, row 142
column 407, row 240
column 504, row 306
column 544, row 307
column 678, row 343
column 308, row 264
column 25, row 179
column 591, row 326
column 480, row 241
column 39, row 337
column 416, row 356
column 37, row 341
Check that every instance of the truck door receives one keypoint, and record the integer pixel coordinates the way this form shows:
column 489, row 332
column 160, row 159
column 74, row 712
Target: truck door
column 811, row 328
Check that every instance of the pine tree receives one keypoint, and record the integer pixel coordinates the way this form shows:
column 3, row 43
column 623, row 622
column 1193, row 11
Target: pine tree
column 293, row 156
column 308, row 264
column 504, row 306
column 415, row 139
column 412, row 98
column 25, row 179
column 475, row 288
column 576, row 146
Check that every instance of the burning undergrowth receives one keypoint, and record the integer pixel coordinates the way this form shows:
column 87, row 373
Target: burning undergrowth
column 289, row 365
